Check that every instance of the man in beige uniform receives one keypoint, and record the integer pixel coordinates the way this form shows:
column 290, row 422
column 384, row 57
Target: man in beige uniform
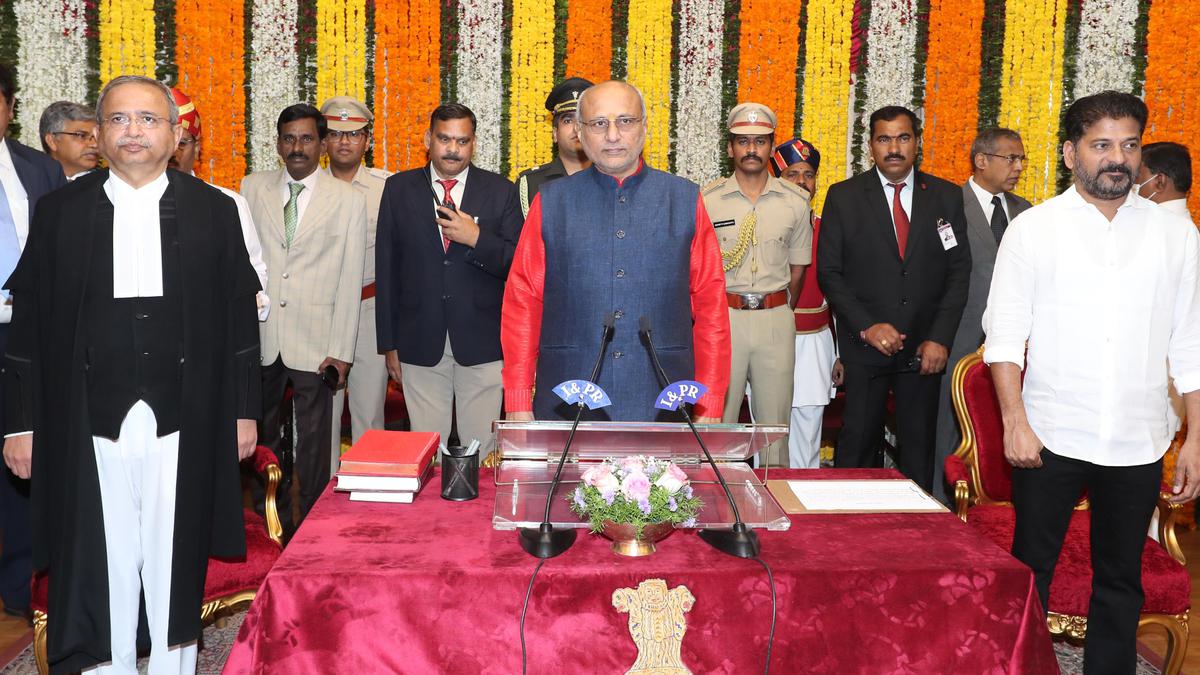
column 765, row 232
column 349, row 137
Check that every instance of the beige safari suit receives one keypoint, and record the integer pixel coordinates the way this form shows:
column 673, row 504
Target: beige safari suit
column 763, row 349
column 366, row 385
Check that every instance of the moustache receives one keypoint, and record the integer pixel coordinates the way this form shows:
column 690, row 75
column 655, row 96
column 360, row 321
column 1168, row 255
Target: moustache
column 297, row 155
column 141, row 142
column 1120, row 168
column 895, row 157
column 754, row 158
column 451, row 158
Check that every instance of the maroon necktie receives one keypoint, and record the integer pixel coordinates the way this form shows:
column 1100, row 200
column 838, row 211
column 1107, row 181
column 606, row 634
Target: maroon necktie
column 448, row 201
column 899, row 217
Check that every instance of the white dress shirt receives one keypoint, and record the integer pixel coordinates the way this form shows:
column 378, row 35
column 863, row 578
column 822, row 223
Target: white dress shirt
column 456, row 192
column 253, row 248
column 1104, row 307
column 302, row 199
column 18, row 205
column 985, row 201
column 1178, row 207
column 906, row 194
column 137, row 239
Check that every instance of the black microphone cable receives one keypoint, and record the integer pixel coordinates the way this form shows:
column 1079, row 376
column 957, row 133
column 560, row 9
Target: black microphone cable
column 529, row 592
column 771, row 635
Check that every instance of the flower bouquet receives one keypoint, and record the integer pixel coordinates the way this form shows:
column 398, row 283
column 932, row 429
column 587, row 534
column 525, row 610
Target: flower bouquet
column 635, row 501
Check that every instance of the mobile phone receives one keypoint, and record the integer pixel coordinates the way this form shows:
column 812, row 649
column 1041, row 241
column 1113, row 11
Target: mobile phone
column 330, row 377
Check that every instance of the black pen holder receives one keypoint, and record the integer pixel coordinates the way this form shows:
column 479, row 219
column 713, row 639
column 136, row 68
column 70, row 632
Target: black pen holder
column 460, row 474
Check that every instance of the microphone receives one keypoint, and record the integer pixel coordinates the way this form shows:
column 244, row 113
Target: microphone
column 544, row 541
column 740, row 541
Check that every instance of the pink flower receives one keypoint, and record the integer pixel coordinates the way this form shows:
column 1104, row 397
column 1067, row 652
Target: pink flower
column 633, row 464
column 636, row 486
column 672, row 479
column 601, row 478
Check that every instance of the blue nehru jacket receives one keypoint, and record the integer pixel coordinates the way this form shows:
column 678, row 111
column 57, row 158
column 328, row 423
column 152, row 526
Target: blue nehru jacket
column 623, row 248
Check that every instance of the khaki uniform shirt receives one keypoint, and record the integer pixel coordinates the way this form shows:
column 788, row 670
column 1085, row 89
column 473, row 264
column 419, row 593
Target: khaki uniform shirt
column 783, row 232
column 369, row 182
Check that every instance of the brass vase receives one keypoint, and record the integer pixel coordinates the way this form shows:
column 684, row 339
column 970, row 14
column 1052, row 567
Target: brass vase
column 626, row 542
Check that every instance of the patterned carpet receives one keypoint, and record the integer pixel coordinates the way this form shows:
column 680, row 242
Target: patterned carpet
column 217, row 642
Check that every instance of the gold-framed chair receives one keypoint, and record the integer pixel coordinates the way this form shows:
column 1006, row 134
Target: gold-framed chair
column 982, row 481
column 228, row 583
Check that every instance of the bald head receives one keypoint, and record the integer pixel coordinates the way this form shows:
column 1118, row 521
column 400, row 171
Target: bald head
column 612, row 119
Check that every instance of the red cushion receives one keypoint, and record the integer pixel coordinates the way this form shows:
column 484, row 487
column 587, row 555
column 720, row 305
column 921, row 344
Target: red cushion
column 41, row 592
column 956, row 470
column 230, row 576
column 1166, row 583
column 394, row 409
column 979, row 395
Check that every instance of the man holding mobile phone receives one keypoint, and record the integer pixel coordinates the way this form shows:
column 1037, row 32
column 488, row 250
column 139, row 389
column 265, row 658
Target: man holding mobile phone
column 445, row 241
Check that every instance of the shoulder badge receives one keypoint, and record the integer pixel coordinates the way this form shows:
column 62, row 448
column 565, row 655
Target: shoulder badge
column 378, row 173
column 523, row 189
column 712, row 186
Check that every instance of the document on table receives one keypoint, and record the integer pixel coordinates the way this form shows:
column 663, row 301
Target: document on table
column 853, row 496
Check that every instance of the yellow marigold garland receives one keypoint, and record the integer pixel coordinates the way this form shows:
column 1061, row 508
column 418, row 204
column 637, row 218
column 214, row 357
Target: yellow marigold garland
column 650, row 71
column 827, row 88
column 532, row 68
column 1031, row 88
column 341, row 48
column 126, row 38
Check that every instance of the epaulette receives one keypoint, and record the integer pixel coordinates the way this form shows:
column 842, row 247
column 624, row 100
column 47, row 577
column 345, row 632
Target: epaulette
column 798, row 190
column 713, row 185
column 379, row 173
column 523, row 192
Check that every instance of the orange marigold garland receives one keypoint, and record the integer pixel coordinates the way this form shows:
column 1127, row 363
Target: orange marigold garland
column 952, row 86
column 407, row 79
column 211, row 63
column 1173, row 79
column 769, row 44
column 589, row 39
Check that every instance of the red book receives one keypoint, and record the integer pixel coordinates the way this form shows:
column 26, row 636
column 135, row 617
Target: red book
column 390, row 453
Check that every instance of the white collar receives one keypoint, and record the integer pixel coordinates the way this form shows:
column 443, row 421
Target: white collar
column 309, row 181
column 461, row 177
column 5, row 156
column 1177, row 206
column 116, row 189
column 908, row 180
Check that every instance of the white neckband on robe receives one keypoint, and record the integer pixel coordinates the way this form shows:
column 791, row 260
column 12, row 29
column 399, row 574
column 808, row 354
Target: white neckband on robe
column 137, row 239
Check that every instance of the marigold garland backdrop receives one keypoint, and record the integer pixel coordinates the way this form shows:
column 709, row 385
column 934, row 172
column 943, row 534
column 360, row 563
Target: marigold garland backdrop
column 823, row 65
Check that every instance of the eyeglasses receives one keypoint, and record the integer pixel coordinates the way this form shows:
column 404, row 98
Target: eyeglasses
column 81, row 136
column 352, row 136
column 1011, row 159
column 144, row 120
column 289, row 139
column 624, row 124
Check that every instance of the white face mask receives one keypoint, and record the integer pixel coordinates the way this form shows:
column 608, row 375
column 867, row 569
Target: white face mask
column 1137, row 187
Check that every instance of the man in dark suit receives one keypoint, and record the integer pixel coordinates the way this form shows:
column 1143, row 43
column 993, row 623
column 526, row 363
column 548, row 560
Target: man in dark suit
column 894, row 263
column 25, row 175
column 446, row 237
column 997, row 160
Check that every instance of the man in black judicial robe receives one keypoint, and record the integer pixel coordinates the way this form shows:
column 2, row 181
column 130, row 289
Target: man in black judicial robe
column 53, row 388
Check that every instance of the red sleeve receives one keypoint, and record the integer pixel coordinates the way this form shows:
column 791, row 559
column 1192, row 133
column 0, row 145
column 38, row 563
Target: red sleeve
column 710, row 316
column 521, row 313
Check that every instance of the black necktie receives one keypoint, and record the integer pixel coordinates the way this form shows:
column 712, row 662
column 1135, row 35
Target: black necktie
column 999, row 220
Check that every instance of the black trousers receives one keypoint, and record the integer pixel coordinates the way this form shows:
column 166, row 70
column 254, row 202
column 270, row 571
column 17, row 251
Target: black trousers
column 860, row 443
column 312, row 402
column 16, row 559
column 1122, row 501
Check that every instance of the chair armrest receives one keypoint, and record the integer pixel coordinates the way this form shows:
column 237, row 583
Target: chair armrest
column 267, row 466
column 959, row 476
column 1168, row 513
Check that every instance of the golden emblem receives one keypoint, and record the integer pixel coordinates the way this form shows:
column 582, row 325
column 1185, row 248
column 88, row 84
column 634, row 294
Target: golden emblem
column 656, row 624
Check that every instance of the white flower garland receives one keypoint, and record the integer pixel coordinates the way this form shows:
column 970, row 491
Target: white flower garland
column 891, row 44
column 698, row 129
column 274, row 76
column 480, row 39
column 51, row 59
column 1104, row 58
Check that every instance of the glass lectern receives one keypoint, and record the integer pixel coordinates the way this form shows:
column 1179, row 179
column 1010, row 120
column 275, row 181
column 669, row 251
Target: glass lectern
column 529, row 453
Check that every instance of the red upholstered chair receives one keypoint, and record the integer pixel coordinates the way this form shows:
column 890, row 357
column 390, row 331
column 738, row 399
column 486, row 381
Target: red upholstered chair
column 228, row 582
column 982, row 481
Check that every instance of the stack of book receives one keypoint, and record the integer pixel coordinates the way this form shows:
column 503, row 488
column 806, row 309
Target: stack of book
column 387, row 466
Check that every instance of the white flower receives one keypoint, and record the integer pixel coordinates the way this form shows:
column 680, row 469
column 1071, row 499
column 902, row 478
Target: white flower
column 480, row 38
column 1106, row 46
column 51, row 59
column 274, row 76
column 699, row 136
column 891, row 43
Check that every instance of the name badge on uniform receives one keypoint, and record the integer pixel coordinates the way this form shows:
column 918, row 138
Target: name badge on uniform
column 946, row 234
column 724, row 223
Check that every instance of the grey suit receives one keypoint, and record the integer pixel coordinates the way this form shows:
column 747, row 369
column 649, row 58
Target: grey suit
column 970, row 327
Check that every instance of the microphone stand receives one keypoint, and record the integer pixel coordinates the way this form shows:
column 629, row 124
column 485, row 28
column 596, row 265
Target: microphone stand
column 544, row 541
column 740, row 541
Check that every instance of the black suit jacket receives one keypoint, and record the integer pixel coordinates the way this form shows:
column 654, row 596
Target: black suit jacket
column 38, row 172
column 423, row 292
column 864, row 278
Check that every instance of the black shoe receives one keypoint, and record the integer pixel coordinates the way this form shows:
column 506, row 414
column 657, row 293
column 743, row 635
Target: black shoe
column 21, row 613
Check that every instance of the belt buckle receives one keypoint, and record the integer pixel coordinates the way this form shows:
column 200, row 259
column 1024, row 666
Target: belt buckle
column 753, row 300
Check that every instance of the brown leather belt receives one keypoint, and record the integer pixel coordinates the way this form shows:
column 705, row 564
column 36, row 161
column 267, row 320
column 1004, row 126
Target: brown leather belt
column 756, row 300
column 368, row 291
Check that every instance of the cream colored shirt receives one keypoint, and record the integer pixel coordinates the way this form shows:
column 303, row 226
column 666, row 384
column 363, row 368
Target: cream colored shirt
column 370, row 182
column 783, row 232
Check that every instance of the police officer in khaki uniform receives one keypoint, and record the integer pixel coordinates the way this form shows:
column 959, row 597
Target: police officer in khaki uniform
column 348, row 139
column 765, row 230
column 570, row 158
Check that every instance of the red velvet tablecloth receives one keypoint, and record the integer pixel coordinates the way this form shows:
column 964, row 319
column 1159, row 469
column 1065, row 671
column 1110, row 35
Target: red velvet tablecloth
column 430, row 587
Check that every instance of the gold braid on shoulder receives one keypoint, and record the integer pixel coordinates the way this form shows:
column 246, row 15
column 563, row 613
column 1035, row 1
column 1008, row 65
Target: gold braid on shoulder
column 746, row 235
